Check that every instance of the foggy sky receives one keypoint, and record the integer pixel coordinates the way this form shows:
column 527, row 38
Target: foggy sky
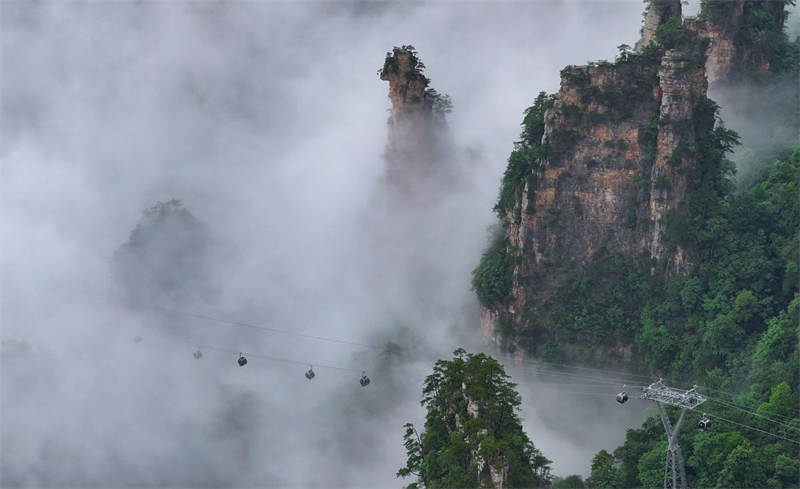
column 268, row 122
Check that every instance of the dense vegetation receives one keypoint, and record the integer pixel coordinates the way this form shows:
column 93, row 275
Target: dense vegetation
column 417, row 67
column 522, row 163
column 493, row 277
column 732, row 326
column 472, row 431
column 725, row 456
column 732, row 323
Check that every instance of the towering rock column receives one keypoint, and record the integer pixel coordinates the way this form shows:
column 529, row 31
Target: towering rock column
column 722, row 32
column 417, row 137
column 680, row 88
column 723, row 22
column 658, row 12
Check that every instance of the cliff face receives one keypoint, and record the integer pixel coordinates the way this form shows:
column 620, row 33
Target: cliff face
column 658, row 12
column 597, row 183
column 741, row 32
column 607, row 181
column 721, row 52
column 681, row 88
column 620, row 145
column 582, row 193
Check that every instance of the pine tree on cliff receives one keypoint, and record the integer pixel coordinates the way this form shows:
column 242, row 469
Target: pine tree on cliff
column 473, row 436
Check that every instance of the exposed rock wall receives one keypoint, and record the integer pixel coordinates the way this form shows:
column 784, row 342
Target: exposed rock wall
column 620, row 141
column 723, row 22
column 721, row 51
column 493, row 472
column 658, row 12
column 587, row 189
column 680, row 89
column 620, row 147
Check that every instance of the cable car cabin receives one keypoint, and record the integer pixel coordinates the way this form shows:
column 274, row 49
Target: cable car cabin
column 198, row 354
column 622, row 397
column 704, row 424
column 242, row 360
column 364, row 381
column 310, row 374
column 137, row 339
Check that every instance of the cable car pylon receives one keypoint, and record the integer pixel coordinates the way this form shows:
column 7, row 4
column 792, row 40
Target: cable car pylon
column 674, row 470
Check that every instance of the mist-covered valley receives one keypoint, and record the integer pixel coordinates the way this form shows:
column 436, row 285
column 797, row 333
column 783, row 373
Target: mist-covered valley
column 211, row 176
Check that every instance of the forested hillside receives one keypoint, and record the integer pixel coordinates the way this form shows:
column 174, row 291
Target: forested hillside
column 732, row 325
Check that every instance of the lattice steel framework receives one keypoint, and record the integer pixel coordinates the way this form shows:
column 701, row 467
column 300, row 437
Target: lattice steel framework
column 674, row 470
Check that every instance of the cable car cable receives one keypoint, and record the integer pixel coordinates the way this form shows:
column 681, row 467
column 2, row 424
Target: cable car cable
column 582, row 393
column 754, row 428
column 274, row 330
column 731, row 404
column 755, row 414
column 577, row 376
column 526, row 369
column 582, row 368
column 236, row 323
column 322, row 338
column 254, row 355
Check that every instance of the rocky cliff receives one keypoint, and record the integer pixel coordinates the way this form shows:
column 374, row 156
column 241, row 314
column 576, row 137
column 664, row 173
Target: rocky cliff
column 617, row 153
column 601, row 169
column 657, row 12
column 742, row 34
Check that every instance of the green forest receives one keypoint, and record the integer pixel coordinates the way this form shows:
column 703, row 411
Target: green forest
column 730, row 326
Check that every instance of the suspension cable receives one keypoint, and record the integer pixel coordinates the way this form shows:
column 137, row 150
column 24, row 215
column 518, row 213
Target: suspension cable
column 754, row 428
column 754, row 414
column 756, row 401
column 578, row 376
column 572, row 376
column 255, row 355
column 264, row 328
column 649, row 377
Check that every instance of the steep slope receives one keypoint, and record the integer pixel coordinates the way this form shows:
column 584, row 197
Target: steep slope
column 744, row 35
column 615, row 156
column 601, row 170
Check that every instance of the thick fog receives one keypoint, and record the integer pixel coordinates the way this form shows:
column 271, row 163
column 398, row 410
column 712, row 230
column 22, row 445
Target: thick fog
column 268, row 122
column 768, row 126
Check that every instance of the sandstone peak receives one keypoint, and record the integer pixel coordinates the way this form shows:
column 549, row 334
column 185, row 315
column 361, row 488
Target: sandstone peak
column 418, row 151
column 403, row 69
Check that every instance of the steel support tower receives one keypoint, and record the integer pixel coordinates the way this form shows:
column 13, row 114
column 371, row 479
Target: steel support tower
column 674, row 470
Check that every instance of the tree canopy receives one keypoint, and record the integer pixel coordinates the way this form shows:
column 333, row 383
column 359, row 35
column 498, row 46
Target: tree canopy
column 473, row 436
